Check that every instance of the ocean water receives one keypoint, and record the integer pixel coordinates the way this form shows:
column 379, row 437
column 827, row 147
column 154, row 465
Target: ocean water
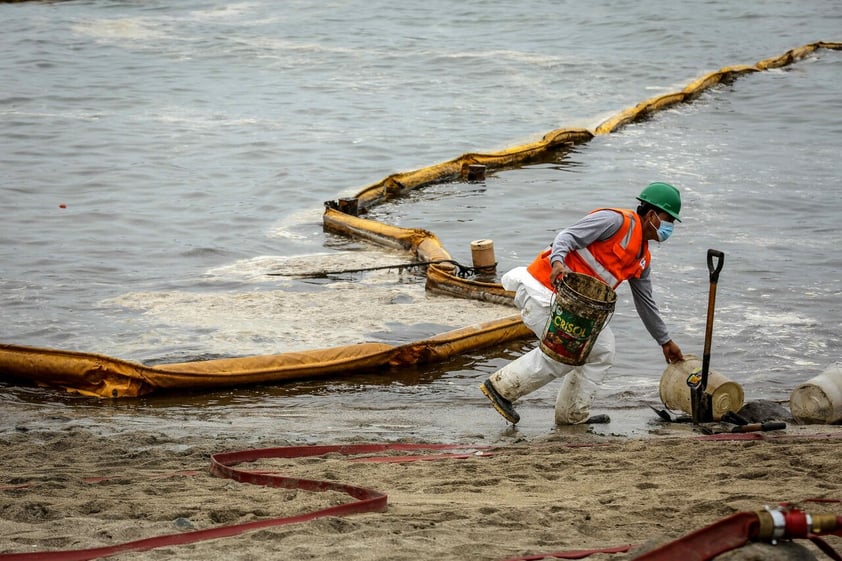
column 159, row 159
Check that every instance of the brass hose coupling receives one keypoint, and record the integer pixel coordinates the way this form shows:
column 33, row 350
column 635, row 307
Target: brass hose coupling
column 790, row 523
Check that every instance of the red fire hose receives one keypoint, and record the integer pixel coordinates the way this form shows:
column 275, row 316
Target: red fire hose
column 737, row 530
column 769, row 525
column 365, row 500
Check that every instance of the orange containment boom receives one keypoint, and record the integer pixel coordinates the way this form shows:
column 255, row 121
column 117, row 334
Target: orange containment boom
column 341, row 217
column 103, row 376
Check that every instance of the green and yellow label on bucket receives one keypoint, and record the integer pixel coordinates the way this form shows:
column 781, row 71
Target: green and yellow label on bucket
column 581, row 307
column 567, row 334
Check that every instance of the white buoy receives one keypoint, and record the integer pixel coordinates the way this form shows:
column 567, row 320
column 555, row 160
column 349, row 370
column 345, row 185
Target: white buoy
column 726, row 395
column 818, row 401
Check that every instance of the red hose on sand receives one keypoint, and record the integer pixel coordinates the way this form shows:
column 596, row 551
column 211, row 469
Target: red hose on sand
column 737, row 530
column 702, row 545
column 706, row 543
column 366, row 500
column 731, row 533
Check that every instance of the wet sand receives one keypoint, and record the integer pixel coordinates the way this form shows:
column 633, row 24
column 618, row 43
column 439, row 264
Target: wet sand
column 76, row 487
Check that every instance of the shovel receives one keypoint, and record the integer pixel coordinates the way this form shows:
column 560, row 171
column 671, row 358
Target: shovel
column 701, row 402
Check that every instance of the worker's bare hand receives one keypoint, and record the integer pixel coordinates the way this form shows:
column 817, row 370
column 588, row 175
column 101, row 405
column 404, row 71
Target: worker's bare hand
column 559, row 270
column 672, row 352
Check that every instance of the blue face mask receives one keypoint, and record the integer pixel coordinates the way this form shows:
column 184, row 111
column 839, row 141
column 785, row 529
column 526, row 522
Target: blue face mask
column 665, row 230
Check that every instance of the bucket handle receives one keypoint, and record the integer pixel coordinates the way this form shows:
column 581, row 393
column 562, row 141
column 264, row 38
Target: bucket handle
column 607, row 320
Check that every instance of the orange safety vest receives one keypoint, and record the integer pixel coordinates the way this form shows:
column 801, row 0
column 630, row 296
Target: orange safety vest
column 622, row 256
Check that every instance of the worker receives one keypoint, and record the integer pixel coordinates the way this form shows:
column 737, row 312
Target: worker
column 611, row 245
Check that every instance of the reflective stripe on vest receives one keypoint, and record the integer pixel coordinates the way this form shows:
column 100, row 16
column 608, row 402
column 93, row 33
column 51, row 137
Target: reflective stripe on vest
column 625, row 243
column 597, row 267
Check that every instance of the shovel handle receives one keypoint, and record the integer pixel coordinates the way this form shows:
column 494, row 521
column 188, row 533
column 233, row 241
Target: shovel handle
column 715, row 268
column 700, row 400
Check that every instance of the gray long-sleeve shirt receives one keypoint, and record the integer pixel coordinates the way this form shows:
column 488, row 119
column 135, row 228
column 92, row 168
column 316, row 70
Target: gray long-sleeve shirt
column 599, row 226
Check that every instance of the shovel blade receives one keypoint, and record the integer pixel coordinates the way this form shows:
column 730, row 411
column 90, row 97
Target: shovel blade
column 661, row 413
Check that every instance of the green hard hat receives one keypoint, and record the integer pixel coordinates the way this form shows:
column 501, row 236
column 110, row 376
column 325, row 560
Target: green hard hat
column 662, row 196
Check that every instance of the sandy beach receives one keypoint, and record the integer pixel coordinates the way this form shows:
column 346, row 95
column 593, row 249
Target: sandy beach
column 76, row 489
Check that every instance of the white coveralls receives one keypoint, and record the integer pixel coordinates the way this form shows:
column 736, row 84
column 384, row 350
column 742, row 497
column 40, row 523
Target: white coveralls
column 535, row 369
